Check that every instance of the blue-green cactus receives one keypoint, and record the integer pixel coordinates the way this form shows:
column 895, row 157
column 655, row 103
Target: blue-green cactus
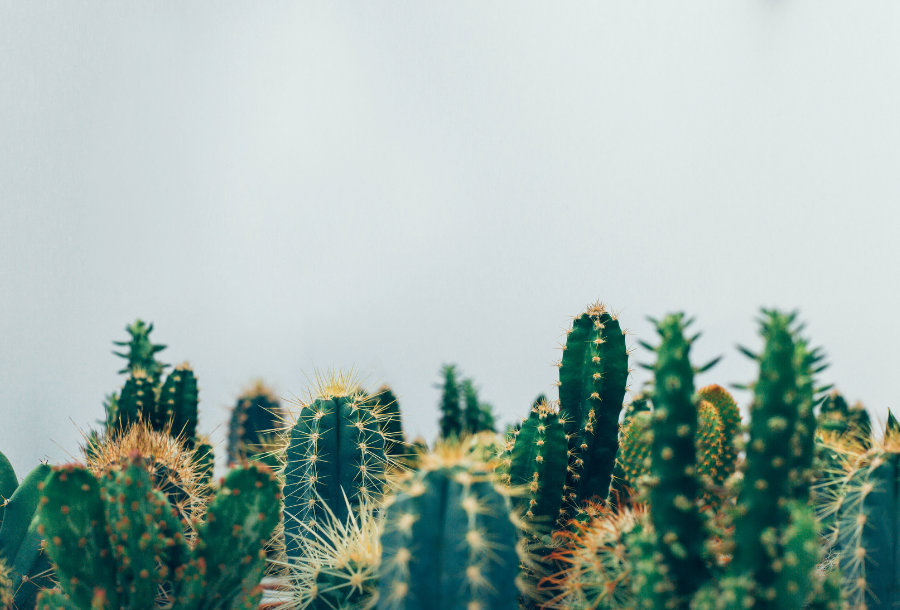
column 449, row 542
column 336, row 450
column 20, row 542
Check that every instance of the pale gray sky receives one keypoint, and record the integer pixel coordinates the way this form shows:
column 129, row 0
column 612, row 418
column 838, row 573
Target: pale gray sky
column 395, row 185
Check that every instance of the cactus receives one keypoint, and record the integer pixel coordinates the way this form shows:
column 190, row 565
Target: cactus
column 595, row 563
column 339, row 564
column 451, row 413
column 119, row 545
column 730, row 416
column 709, row 443
column 633, row 457
column 27, row 566
column 336, row 447
column 592, row 381
column 867, row 530
column 142, row 352
column 8, row 482
column 449, row 541
column 767, row 508
column 392, row 425
column 136, row 402
column 537, row 464
column 674, row 489
column 178, row 401
column 170, row 463
column 255, row 420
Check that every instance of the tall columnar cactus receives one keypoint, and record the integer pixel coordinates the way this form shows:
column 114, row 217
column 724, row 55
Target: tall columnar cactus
column 336, row 451
column 537, row 465
column 28, row 568
column 709, row 442
column 116, row 543
column 451, row 412
column 801, row 467
column 593, row 374
column 255, row 421
column 177, row 405
column 449, row 542
column 766, row 505
column 136, row 402
column 674, row 490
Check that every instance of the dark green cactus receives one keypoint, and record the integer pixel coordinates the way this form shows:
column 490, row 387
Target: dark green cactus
column 451, row 423
column 392, row 422
column 8, row 482
column 255, row 420
column 764, row 504
column 136, row 402
column 21, row 544
column 120, row 545
column 709, row 442
column 177, row 404
column 868, row 532
column 449, row 543
column 674, row 489
column 538, row 465
column 142, row 352
column 593, row 375
column 336, row 449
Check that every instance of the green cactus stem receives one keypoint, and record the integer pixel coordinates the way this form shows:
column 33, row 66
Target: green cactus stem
column 730, row 417
column 177, row 405
column 141, row 352
column 593, row 374
column 868, row 532
column 538, row 466
column 448, row 542
column 136, row 402
column 451, row 423
column 255, row 421
column 120, row 545
column 392, row 426
column 633, row 459
column 674, row 489
column 763, row 504
column 336, row 448
column 21, row 544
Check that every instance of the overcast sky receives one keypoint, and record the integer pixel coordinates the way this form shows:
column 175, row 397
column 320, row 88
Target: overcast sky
column 280, row 186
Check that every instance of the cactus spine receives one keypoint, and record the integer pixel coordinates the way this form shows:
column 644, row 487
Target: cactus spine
column 449, row 542
column 593, row 374
column 336, row 448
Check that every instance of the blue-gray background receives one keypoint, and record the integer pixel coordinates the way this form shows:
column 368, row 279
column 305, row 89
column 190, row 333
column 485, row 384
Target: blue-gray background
column 392, row 185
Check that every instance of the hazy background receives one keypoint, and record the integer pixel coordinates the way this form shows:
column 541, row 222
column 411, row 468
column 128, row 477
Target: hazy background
column 280, row 186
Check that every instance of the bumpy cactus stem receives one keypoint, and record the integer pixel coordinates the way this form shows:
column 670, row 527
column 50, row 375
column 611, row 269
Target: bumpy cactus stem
column 336, row 448
column 178, row 401
column 674, row 490
column 141, row 352
column 593, row 374
column 121, row 546
column 730, row 417
column 764, row 503
column 449, row 543
column 633, row 458
column 538, row 465
column 21, row 544
column 255, row 420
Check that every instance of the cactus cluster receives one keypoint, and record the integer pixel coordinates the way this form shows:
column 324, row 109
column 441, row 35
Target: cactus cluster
column 675, row 507
column 117, row 543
